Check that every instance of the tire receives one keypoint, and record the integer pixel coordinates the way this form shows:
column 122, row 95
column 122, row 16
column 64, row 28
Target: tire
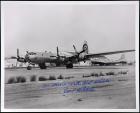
column 42, row 66
column 69, row 65
column 29, row 68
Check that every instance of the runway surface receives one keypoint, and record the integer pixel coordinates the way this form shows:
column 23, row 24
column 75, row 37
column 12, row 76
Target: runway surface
column 80, row 88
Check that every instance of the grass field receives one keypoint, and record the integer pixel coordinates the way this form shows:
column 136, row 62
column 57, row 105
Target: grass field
column 43, row 90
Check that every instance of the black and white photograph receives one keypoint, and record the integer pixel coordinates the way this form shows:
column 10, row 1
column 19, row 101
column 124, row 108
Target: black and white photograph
column 69, row 56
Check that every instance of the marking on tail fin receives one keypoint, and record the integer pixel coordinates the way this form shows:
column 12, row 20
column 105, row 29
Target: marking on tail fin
column 85, row 47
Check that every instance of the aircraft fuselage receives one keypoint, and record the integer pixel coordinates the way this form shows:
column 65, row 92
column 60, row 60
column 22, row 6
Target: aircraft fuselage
column 42, row 57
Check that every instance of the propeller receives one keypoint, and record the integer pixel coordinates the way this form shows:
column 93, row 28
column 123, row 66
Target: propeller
column 18, row 53
column 58, row 52
column 25, row 59
column 75, row 49
column 12, row 57
column 59, row 57
column 19, row 59
column 78, row 53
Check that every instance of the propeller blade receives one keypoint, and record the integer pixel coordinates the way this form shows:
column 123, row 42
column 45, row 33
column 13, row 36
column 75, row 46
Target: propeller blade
column 17, row 52
column 13, row 57
column 57, row 51
column 82, row 51
column 75, row 49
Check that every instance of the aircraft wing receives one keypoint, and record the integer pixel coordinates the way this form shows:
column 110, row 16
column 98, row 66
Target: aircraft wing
column 73, row 53
column 67, row 54
column 107, row 53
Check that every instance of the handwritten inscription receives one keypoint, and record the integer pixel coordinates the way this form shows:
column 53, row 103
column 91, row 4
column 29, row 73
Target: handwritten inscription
column 76, row 83
column 78, row 90
column 75, row 86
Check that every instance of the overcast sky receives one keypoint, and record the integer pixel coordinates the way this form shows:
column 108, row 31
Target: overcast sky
column 37, row 27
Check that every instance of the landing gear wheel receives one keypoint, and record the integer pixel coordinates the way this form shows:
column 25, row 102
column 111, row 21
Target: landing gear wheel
column 29, row 68
column 69, row 65
column 42, row 66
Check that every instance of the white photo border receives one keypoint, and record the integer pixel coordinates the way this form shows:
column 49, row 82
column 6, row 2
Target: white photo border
column 136, row 3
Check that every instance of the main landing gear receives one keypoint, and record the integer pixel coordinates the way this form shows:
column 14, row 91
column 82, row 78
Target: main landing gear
column 69, row 65
column 42, row 66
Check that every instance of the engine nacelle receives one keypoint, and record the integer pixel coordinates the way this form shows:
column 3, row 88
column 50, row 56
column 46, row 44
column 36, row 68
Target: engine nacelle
column 21, row 59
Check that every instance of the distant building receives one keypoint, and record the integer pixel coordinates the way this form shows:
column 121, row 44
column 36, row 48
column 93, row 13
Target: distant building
column 12, row 63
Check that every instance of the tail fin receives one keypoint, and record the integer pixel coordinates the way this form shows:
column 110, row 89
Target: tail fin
column 85, row 47
column 122, row 57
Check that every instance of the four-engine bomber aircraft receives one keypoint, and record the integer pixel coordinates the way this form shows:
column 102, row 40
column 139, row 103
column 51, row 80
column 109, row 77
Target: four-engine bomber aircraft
column 68, row 59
